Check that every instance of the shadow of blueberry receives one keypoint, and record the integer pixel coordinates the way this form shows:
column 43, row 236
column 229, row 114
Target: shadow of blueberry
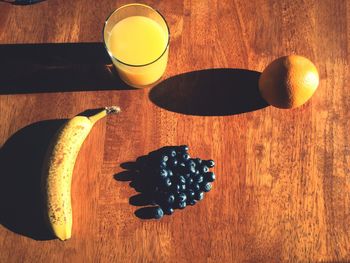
column 142, row 183
column 166, row 179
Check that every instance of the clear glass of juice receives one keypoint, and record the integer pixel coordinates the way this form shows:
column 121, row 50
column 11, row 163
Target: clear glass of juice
column 136, row 37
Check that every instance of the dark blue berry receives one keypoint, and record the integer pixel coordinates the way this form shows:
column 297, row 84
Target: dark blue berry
column 158, row 213
column 163, row 173
column 167, row 182
column 191, row 202
column 199, row 179
column 162, row 165
column 181, row 169
column 182, row 179
column 210, row 163
column 190, row 194
column 186, row 156
column 196, row 187
column 182, row 205
column 183, row 148
column 168, row 210
column 182, row 187
column 193, row 170
column 198, row 161
column 209, row 177
column 189, row 181
column 170, row 199
column 191, row 163
column 170, row 173
column 199, row 195
column 205, row 169
column 176, row 187
column 164, row 158
column 206, row 187
column 187, row 175
column 182, row 197
column 182, row 164
column 172, row 162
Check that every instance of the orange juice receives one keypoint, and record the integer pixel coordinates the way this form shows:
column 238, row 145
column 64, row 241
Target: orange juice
column 138, row 46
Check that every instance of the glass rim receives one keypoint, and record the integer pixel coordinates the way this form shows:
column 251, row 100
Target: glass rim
column 127, row 64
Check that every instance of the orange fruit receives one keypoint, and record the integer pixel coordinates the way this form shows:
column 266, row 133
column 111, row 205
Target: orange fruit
column 289, row 81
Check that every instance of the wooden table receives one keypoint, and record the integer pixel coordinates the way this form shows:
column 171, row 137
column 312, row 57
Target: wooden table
column 282, row 192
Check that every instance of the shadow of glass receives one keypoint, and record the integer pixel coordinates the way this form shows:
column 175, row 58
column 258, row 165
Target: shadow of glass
column 62, row 67
column 210, row 92
column 23, row 2
column 21, row 160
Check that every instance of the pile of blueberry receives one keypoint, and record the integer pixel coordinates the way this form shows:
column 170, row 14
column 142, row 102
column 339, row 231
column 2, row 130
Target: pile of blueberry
column 175, row 180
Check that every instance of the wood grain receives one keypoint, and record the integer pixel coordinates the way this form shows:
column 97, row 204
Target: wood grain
column 283, row 187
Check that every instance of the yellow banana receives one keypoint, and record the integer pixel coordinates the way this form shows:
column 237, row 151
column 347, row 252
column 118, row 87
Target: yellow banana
column 58, row 170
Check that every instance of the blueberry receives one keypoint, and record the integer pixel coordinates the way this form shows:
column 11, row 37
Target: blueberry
column 158, row 213
column 182, row 164
column 187, row 175
column 209, row 177
column 170, row 173
column 210, row 163
column 205, row 169
column 190, row 194
column 183, row 148
column 199, row 195
column 182, row 197
column 192, row 170
column 176, row 187
column 199, row 179
column 167, row 182
column 182, row 179
column 164, row 158
column 186, row 156
column 182, row 187
column 189, row 181
column 198, row 161
column 162, row 165
column 168, row 210
column 196, row 187
column 206, row 187
column 191, row 163
column 191, row 202
column 172, row 153
column 170, row 199
column 182, row 205
column 163, row 173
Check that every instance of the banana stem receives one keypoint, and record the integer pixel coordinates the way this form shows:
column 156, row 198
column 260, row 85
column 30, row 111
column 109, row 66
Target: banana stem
column 106, row 111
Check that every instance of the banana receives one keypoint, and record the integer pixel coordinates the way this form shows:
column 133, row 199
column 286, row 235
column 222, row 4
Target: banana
column 58, row 169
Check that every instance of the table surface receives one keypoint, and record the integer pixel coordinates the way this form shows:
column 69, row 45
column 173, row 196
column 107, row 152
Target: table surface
column 283, row 186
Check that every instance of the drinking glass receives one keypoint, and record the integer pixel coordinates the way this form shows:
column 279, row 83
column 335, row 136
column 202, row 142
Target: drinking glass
column 145, row 74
